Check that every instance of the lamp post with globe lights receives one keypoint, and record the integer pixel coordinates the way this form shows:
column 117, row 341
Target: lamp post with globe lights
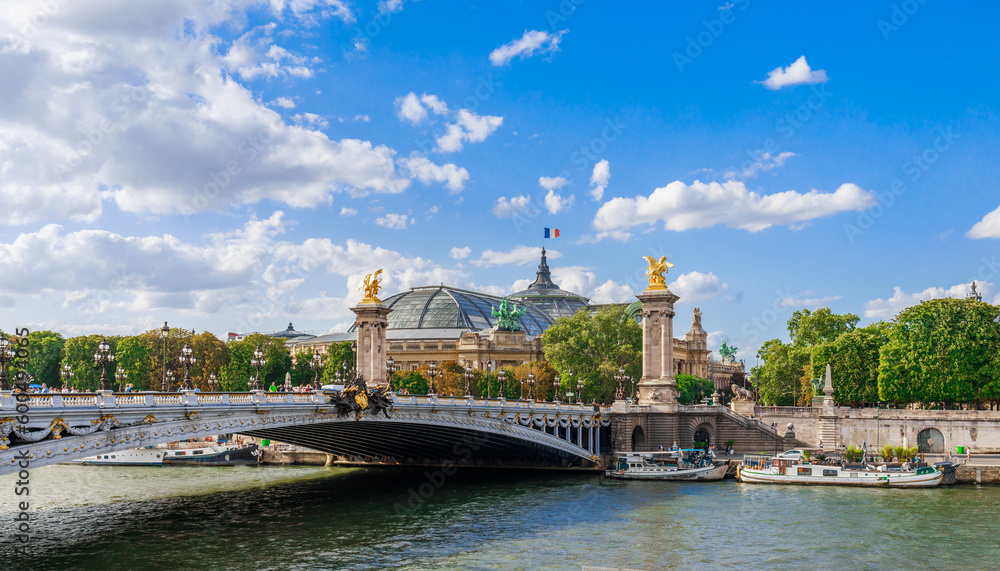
column 187, row 359
column 170, row 380
column 579, row 391
column 67, row 374
column 164, row 333
column 489, row 373
column 390, row 370
column 121, row 376
column 468, row 379
column 502, row 376
column 317, row 366
column 432, row 371
column 555, row 388
column 7, row 355
column 258, row 363
column 531, row 385
column 213, row 382
column 104, row 357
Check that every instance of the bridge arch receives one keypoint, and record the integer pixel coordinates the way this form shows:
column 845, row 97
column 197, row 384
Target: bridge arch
column 638, row 439
column 930, row 440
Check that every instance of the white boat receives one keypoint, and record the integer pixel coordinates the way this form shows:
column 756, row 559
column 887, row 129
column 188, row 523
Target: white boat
column 137, row 457
column 664, row 466
column 791, row 468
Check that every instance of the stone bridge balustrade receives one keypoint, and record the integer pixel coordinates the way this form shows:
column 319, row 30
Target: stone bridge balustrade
column 59, row 428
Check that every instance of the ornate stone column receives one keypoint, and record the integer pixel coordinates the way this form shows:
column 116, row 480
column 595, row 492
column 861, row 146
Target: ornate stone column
column 372, row 353
column 658, row 385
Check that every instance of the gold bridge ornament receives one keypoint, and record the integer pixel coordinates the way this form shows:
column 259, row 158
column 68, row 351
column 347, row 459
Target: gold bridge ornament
column 656, row 270
column 370, row 287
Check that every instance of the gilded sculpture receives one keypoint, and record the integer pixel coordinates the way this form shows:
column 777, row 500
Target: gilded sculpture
column 656, row 270
column 370, row 287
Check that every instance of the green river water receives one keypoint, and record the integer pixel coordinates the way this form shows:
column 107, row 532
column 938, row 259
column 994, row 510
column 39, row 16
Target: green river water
column 97, row 517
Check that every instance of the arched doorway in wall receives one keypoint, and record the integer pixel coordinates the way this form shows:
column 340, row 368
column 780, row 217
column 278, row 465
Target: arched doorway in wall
column 930, row 440
column 638, row 439
column 703, row 435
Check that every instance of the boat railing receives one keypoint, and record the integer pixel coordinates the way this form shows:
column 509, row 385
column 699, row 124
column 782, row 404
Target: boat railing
column 756, row 461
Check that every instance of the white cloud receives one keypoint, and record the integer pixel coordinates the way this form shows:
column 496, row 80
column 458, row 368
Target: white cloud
column 410, row 108
column 526, row 45
column 988, row 227
column 696, row 286
column 468, row 127
column 599, row 179
column 519, row 256
column 515, row 205
column 765, row 162
column 362, row 118
column 809, row 301
column 797, row 73
column 284, row 103
column 394, row 221
column 584, row 281
column 414, row 109
column 556, row 203
column 552, row 182
column 152, row 114
column 347, row 212
column 703, row 205
column 390, row 6
column 461, row 253
column 900, row 300
column 426, row 172
column 311, row 119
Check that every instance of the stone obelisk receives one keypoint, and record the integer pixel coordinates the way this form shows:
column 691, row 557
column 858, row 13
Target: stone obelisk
column 371, row 323
column 658, row 385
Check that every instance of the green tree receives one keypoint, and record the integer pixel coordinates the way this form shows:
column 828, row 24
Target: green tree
column 594, row 346
column 212, row 356
column 133, row 356
column 941, row 352
column 854, row 363
column 338, row 359
column 79, row 352
column 777, row 379
column 46, row 354
column 806, row 328
column 691, row 389
column 236, row 374
column 413, row 382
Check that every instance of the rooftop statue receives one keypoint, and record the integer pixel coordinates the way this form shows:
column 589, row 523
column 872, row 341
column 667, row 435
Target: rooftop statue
column 728, row 352
column 656, row 270
column 370, row 287
column 508, row 315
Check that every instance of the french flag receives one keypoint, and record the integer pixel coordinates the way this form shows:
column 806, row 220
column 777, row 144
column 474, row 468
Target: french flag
column 551, row 232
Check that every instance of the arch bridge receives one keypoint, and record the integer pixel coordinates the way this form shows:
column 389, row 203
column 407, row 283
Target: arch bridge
column 41, row 429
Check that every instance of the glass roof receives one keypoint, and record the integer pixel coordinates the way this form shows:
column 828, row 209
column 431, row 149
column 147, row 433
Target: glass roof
column 435, row 307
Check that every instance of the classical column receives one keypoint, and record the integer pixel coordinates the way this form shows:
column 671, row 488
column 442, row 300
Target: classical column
column 372, row 348
column 658, row 385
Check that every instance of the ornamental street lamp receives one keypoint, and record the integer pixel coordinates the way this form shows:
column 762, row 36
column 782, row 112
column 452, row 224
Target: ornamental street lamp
column 212, row 382
column 317, row 366
column 187, row 359
column 7, row 354
column 555, row 388
column 258, row 363
column 503, row 377
column 489, row 372
column 170, row 380
column 468, row 379
column 620, row 377
column 432, row 370
column 66, row 373
column 164, row 333
column 104, row 357
column 121, row 376
column 531, row 385
column 579, row 390
column 390, row 369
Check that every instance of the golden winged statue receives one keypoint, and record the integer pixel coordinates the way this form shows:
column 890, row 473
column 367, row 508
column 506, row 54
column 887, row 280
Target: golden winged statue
column 371, row 286
column 656, row 270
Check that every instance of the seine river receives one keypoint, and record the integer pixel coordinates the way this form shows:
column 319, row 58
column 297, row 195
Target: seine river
column 93, row 517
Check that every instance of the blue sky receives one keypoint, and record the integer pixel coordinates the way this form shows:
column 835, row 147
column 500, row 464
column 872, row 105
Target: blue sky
column 233, row 166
